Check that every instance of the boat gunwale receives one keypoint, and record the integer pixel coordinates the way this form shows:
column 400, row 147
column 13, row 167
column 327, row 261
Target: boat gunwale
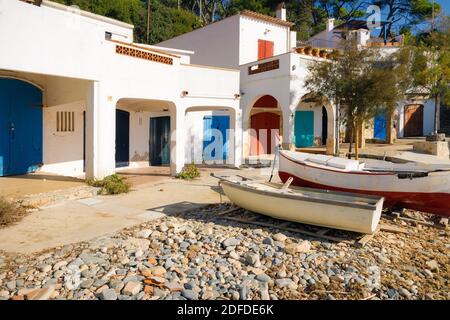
column 366, row 171
column 337, row 170
column 307, row 199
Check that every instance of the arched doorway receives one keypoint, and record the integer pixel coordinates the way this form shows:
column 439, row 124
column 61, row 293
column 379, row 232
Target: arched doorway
column 20, row 127
column 314, row 123
column 265, row 125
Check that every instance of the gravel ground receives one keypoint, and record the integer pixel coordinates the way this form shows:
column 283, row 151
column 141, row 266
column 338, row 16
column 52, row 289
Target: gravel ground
column 197, row 255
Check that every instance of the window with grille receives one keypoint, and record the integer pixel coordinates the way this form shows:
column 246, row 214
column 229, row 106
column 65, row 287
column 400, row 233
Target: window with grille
column 65, row 121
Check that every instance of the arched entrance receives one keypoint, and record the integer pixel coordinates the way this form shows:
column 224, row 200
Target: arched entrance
column 314, row 123
column 20, row 127
column 265, row 125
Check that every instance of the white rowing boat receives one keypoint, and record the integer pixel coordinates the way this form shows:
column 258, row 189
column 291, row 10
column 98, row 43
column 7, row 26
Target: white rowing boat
column 310, row 206
column 417, row 187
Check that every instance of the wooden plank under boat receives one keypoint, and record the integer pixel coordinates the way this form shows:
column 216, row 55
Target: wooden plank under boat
column 310, row 206
column 417, row 187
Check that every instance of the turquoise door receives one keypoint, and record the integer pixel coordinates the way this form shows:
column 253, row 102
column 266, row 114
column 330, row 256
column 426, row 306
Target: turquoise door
column 304, row 129
column 20, row 127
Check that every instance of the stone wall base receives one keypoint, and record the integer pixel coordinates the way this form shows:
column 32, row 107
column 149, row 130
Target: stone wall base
column 437, row 148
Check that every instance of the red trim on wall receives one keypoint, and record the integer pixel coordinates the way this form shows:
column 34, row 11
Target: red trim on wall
column 266, row 102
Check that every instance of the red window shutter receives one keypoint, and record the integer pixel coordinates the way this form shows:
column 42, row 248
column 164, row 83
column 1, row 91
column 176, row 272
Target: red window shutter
column 261, row 49
column 269, row 49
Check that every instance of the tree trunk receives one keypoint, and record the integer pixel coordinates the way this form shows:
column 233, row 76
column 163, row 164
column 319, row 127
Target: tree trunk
column 338, row 127
column 351, row 141
column 436, row 113
column 356, row 134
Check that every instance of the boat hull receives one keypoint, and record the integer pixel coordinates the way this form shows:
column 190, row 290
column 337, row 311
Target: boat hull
column 351, row 218
column 427, row 194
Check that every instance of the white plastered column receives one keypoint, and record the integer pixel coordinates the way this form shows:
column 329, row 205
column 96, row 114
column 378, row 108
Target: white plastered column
column 177, row 143
column 100, row 133
column 236, row 136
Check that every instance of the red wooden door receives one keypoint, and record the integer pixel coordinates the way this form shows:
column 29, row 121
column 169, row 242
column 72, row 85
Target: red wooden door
column 413, row 120
column 265, row 133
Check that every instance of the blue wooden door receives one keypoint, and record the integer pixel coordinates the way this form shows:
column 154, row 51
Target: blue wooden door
column 122, row 138
column 213, row 126
column 20, row 127
column 159, row 141
column 304, row 129
column 379, row 126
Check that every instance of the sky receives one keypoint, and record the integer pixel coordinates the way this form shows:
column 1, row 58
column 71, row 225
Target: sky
column 445, row 5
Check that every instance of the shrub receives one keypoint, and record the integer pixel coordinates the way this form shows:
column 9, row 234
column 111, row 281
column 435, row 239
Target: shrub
column 189, row 173
column 10, row 212
column 111, row 185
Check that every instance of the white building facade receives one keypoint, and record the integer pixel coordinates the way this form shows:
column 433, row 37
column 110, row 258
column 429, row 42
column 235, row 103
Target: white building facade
column 414, row 116
column 276, row 106
column 78, row 96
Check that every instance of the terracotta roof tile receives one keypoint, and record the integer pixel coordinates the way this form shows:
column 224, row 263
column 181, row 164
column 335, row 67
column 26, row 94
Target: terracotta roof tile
column 264, row 17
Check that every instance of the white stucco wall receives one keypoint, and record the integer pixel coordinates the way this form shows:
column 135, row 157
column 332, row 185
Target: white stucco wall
column 252, row 30
column 57, row 51
column 216, row 44
column 233, row 41
column 63, row 151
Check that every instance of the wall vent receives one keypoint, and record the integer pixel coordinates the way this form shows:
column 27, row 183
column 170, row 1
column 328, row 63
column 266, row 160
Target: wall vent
column 65, row 121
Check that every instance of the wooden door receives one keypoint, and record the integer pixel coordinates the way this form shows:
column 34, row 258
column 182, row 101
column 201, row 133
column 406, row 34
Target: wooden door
column 413, row 120
column 159, row 141
column 122, row 138
column 212, row 127
column 379, row 126
column 20, row 127
column 265, row 133
column 304, row 129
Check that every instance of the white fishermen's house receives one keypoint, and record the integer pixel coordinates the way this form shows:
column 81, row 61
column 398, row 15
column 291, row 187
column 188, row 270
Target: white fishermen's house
column 77, row 95
column 414, row 116
column 275, row 104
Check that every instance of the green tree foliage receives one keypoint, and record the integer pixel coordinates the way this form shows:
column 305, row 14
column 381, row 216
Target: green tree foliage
column 361, row 82
column 165, row 22
column 168, row 22
column 169, row 18
column 431, row 66
column 405, row 13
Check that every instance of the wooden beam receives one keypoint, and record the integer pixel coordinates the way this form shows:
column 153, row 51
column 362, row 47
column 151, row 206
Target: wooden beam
column 393, row 229
column 308, row 233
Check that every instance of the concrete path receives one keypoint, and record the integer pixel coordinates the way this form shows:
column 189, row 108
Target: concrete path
column 422, row 158
column 81, row 220
column 19, row 186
